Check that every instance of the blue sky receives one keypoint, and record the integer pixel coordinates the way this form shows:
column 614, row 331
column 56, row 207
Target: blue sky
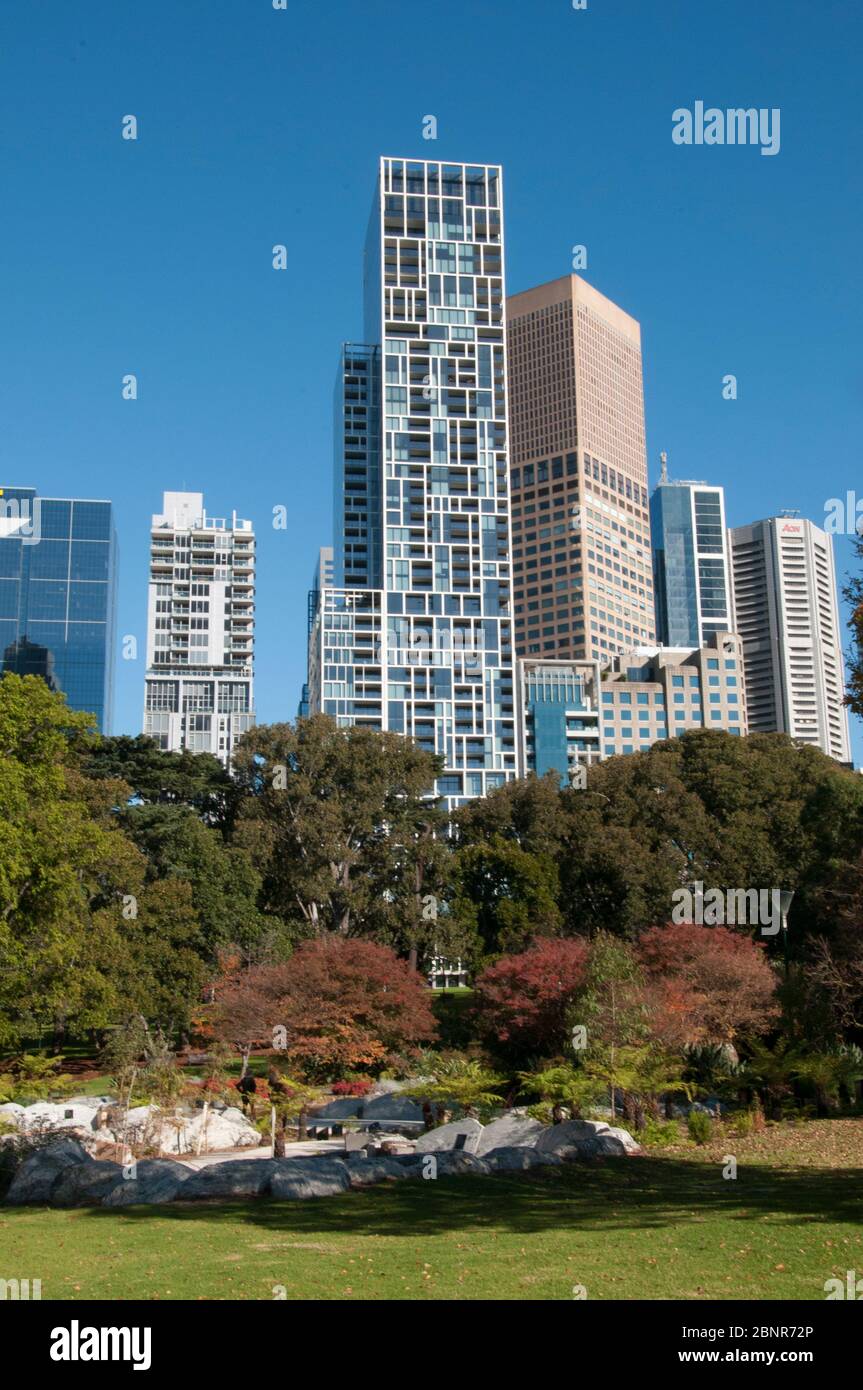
column 259, row 126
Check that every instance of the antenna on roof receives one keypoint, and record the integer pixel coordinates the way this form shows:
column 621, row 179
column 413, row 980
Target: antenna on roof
column 790, row 511
column 663, row 459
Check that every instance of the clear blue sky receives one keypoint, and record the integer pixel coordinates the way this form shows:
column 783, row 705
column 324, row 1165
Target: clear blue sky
column 259, row 126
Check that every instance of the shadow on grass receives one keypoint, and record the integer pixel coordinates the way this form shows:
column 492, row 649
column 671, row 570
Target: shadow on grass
column 617, row 1194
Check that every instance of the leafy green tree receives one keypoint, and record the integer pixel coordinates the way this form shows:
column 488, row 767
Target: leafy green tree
column 854, row 596
column 224, row 883
column 61, row 861
column 504, row 895
column 332, row 817
column 164, row 778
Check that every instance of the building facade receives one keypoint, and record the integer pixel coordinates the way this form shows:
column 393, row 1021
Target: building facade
column 200, row 629
column 691, row 562
column 58, row 596
column 415, row 635
column 582, row 568
column 575, row 715
column 787, row 614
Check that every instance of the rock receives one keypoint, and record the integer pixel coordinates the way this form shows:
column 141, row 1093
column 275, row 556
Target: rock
column 12, row 1113
column 444, row 1137
column 293, row 1181
column 391, row 1107
column 156, row 1180
column 37, row 1175
column 242, row 1177
column 548, row 1159
column 588, row 1138
column 510, row 1131
column 343, row 1108
column 85, row 1184
column 458, row 1164
column 617, row 1141
column 513, row 1159
column 48, row 1116
column 366, row 1172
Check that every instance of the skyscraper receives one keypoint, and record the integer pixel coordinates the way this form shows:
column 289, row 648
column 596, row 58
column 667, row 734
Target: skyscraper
column 691, row 564
column 415, row 635
column 58, row 596
column 582, row 569
column 200, row 628
column 787, row 615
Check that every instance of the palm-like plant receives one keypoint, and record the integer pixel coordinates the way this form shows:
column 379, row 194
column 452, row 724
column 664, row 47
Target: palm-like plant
column 830, row 1072
column 460, row 1081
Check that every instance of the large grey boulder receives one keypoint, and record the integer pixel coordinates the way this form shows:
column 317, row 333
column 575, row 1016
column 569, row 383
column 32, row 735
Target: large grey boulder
column 242, row 1177
column 85, row 1184
column 366, row 1172
column 510, row 1131
column 459, row 1164
column 295, row 1181
column 589, row 1138
column 154, row 1180
column 344, row 1108
column 445, row 1137
column 37, row 1175
column 516, row 1159
column 391, row 1107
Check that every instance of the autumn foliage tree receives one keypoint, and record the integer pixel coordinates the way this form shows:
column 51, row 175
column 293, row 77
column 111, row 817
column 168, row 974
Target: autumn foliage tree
column 337, row 1004
column 522, row 1000
column 706, row 984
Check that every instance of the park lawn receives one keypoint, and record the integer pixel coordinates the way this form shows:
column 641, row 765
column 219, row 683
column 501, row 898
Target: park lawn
column 657, row 1227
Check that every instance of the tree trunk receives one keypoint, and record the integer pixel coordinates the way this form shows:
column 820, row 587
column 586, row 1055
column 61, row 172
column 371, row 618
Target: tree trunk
column 302, row 1120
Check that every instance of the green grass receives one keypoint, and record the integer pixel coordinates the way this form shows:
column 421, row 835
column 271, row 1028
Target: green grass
column 657, row 1227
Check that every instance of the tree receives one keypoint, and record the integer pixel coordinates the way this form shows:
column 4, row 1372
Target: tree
column 854, row 596
column 707, row 984
column 522, row 1001
column 324, row 805
column 223, row 881
column 249, row 1007
column 612, row 1009
column 337, row 1005
column 159, row 777
column 504, row 895
column 61, row 861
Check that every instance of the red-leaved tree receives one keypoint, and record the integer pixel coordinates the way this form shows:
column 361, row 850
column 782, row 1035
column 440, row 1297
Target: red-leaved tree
column 706, row 984
column 521, row 1001
column 337, row 1004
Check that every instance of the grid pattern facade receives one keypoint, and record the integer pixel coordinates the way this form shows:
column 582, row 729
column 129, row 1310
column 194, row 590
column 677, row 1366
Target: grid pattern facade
column 787, row 613
column 200, row 629
column 662, row 692
column 582, row 569
column 435, row 304
column 58, row 596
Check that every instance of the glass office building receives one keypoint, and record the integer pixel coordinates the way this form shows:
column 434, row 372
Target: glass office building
column 58, row 596
column 691, row 563
column 415, row 634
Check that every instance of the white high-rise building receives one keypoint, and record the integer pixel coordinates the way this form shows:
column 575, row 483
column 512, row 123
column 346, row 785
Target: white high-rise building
column 200, row 628
column 787, row 615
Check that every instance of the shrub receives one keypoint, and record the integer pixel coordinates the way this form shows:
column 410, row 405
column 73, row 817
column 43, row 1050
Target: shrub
column 700, row 1127
column 660, row 1134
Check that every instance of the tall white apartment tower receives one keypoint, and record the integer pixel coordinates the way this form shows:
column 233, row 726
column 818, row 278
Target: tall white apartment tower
column 787, row 615
column 414, row 636
column 200, row 628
